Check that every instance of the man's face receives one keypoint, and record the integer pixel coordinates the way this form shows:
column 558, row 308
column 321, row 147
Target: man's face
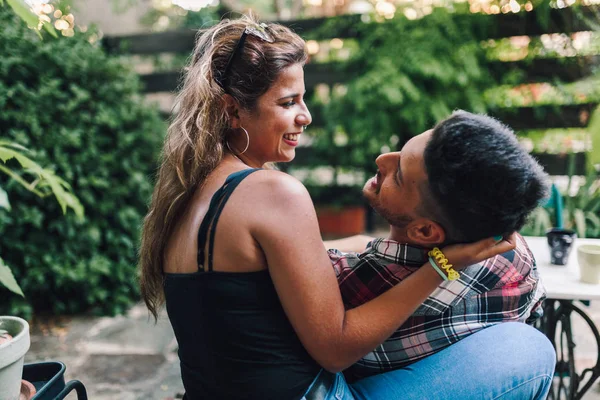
column 394, row 192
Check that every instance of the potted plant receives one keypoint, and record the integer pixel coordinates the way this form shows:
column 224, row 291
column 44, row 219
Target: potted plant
column 341, row 209
column 14, row 343
column 334, row 174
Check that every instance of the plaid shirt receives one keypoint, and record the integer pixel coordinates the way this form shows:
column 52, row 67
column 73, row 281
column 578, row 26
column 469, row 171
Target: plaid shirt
column 500, row 289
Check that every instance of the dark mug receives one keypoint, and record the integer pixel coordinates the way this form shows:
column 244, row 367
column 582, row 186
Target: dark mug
column 560, row 241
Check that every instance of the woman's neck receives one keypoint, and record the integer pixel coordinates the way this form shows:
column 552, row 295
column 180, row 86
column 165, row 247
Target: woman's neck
column 248, row 161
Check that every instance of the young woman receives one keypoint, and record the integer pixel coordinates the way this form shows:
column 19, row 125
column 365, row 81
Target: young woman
column 234, row 248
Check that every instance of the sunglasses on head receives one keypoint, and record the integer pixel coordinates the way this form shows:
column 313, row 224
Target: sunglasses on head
column 260, row 31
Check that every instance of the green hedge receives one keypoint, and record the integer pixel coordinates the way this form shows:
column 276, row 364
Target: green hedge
column 79, row 111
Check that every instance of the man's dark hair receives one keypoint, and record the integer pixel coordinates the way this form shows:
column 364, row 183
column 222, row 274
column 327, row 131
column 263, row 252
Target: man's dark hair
column 481, row 182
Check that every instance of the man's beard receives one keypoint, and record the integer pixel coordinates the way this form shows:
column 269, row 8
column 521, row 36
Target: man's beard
column 397, row 220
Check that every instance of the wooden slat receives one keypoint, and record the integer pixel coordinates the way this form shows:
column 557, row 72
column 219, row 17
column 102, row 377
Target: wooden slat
column 566, row 69
column 546, row 117
column 341, row 26
column 314, row 74
column 181, row 41
column 538, row 70
column 347, row 26
column 160, row 82
column 528, row 23
column 557, row 164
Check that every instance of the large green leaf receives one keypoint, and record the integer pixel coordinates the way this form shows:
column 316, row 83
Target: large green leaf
column 46, row 178
column 61, row 190
column 4, row 203
column 594, row 129
column 7, row 279
column 49, row 28
column 13, row 150
column 580, row 224
column 594, row 225
column 24, row 12
column 541, row 221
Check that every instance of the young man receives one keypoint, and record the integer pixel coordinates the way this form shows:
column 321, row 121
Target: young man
column 464, row 180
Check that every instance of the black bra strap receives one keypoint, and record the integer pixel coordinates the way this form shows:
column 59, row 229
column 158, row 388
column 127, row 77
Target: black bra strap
column 217, row 203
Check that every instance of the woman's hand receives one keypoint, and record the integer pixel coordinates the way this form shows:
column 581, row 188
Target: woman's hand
column 463, row 255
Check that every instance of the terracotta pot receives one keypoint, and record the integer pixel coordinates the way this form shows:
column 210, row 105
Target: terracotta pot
column 342, row 221
column 27, row 390
column 12, row 354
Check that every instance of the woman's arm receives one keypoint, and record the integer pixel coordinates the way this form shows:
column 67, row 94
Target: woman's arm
column 285, row 226
column 356, row 243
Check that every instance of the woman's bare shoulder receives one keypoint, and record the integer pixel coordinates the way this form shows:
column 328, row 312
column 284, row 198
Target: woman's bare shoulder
column 276, row 185
column 273, row 197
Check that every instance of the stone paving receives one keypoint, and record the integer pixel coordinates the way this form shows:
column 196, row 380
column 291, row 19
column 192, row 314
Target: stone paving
column 126, row 357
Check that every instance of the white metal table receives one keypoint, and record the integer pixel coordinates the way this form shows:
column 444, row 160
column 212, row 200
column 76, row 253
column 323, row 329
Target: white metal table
column 563, row 288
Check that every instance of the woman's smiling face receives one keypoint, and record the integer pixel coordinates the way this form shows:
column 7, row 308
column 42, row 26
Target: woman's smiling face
column 277, row 121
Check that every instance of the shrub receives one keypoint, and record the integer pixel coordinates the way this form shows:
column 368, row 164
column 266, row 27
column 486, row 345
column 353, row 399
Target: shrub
column 79, row 109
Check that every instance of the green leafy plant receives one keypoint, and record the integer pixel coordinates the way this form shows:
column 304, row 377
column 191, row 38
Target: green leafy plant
column 580, row 214
column 46, row 183
column 80, row 113
column 580, row 210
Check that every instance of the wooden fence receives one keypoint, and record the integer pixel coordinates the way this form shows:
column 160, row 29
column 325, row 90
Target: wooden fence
column 568, row 69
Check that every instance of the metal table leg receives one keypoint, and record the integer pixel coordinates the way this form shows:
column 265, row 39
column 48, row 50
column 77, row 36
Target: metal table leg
column 568, row 384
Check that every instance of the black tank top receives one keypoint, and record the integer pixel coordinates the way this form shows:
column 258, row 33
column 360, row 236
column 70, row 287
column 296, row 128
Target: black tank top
column 235, row 341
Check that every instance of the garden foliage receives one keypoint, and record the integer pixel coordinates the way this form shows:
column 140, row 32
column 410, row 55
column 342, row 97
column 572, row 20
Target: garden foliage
column 405, row 76
column 42, row 182
column 78, row 111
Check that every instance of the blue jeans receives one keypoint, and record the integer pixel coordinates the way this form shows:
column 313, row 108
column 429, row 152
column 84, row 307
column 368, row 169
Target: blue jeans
column 506, row 361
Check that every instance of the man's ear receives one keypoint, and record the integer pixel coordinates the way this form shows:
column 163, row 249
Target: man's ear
column 425, row 232
column 232, row 107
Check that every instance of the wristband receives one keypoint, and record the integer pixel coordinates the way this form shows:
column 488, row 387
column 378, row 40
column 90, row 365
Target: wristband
column 437, row 269
column 440, row 263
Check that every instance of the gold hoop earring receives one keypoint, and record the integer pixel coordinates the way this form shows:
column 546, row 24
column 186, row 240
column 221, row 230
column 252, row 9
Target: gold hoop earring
column 247, row 139
column 247, row 142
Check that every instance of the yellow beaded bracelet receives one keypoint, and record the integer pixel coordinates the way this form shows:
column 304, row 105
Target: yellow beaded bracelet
column 440, row 263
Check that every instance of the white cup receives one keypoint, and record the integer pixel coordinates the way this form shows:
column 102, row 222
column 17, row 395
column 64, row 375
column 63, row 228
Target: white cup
column 588, row 256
